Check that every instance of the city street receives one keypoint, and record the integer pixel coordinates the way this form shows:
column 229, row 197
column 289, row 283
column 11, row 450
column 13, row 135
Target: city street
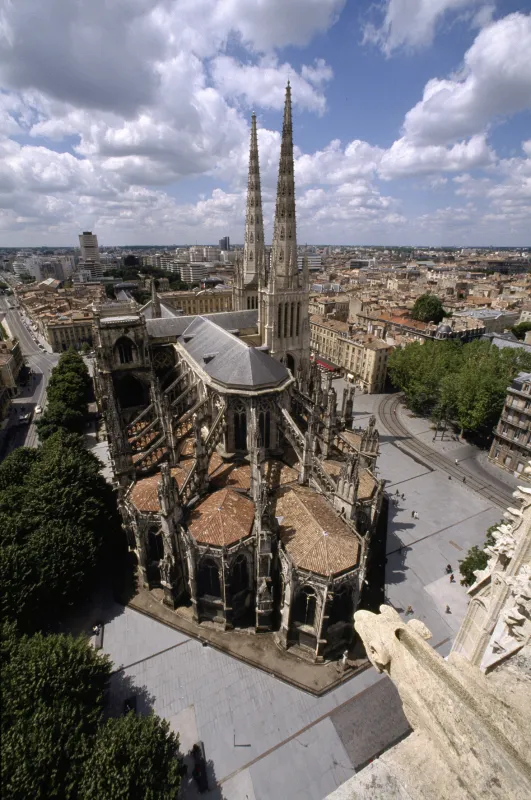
column 41, row 364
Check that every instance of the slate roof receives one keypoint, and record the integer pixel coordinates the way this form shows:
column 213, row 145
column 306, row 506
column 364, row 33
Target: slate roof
column 228, row 320
column 230, row 361
column 314, row 535
column 165, row 311
column 222, row 519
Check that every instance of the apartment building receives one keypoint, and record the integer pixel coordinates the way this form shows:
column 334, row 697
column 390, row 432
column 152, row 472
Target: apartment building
column 511, row 448
column 361, row 356
column 70, row 329
column 11, row 362
column 204, row 302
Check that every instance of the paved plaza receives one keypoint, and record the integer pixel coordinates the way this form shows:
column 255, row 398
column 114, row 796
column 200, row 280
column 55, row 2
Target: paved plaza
column 264, row 739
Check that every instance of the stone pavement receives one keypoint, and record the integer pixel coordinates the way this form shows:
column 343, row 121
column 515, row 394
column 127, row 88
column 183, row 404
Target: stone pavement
column 265, row 739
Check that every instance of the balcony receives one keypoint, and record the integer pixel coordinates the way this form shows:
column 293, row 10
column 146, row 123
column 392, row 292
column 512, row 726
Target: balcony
column 522, row 424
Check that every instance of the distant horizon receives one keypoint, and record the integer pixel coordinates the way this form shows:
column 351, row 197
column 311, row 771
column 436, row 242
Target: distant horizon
column 240, row 245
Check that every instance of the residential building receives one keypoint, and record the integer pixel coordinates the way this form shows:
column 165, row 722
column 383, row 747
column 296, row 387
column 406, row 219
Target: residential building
column 315, row 261
column 211, row 253
column 511, row 448
column 70, row 329
column 494, row 320
column 88, row 243
column 194, row 272
column 11, row 362
column 362, row 357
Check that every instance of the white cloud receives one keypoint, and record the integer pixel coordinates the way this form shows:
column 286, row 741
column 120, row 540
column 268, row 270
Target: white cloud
column 411, row 24
column 271, row 24
column 264, row 83
column 495, row 81
column 406, row 159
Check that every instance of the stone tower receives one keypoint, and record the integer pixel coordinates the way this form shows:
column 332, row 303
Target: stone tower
column 284, row 326
column 249, row 273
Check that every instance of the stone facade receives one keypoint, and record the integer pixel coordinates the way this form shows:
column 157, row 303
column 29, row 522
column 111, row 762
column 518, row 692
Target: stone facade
column 511, row 447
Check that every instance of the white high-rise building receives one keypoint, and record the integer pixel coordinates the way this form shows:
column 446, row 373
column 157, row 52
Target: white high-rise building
column 88, row 243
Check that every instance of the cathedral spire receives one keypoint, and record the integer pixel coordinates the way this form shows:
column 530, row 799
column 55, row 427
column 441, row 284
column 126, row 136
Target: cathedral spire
column 253, row 251
column 284, row 251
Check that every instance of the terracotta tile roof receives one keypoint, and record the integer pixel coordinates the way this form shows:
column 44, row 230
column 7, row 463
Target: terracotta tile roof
column 367, row 485
column 352, row 438
column 331, row 467
column 144, row 494
column 314, row 535
column 222, row 473
column 223, row 518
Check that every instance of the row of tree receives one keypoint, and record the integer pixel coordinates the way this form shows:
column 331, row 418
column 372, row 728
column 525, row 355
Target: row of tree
column 461, row 383
column 68, row 395
column 60, row 532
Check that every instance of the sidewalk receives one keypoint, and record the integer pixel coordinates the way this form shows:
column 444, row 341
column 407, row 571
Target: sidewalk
column 449, row 445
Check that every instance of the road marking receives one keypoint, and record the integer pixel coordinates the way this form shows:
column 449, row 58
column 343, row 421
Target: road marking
column 454, row 544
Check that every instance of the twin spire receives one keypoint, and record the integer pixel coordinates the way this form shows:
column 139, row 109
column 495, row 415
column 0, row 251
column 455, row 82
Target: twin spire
column 283, row 268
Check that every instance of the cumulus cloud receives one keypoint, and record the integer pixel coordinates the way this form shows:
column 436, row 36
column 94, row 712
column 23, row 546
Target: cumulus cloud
column 495, row 81
column 264, row 83
column 411, row 24
column 404, row 158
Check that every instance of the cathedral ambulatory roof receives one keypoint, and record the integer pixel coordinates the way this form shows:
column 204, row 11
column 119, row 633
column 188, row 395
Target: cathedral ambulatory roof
column 144, row 494
column 312, row 533
column 222, row 519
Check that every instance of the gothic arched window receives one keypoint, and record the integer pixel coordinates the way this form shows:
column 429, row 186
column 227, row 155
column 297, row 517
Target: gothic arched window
column 297, row 329
column 155, row 546
column 286, row 319
column 208, row 578
column 291, row 319
column 239, row 579
column 126, row 350
column 279, row 321
column 305, row 610
column 264, row 429
column 240, row 430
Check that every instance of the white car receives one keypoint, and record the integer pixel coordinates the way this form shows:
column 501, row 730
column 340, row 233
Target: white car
column 38, row 409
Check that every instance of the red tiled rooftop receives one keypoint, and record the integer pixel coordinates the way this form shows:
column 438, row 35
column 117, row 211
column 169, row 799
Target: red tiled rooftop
column 222, row 519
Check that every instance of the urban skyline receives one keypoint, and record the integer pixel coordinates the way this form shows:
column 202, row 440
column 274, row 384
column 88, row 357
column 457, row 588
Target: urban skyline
column 410, row 126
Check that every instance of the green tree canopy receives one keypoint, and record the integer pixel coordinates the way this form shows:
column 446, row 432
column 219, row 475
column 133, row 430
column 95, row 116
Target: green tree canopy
column 132, row 758
column 55, row 740
column 462, row 383
column 57, row 520
column 52, row 701
column 428, row 308
column 68, row 397
column 521, row 329
column 476, row 559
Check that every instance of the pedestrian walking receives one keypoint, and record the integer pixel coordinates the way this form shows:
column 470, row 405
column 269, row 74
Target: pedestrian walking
column 412, row 515
column 447, row 610
column 464, row 480
column 403, row 496
column 449, row 569
column 456, row 461
column 452, row 579
column 409, row 610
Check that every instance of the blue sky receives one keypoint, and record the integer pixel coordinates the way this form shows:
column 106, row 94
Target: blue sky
column 412, row 119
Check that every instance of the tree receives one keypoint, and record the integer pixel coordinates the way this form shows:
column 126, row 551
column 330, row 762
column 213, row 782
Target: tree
column 68, row 395
column 134, row 758
column 58, row 521
column 521, row 329
column 109, row 291
column 476, row 559
column 428, row 308
column 53, row 692
column 55, row 741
